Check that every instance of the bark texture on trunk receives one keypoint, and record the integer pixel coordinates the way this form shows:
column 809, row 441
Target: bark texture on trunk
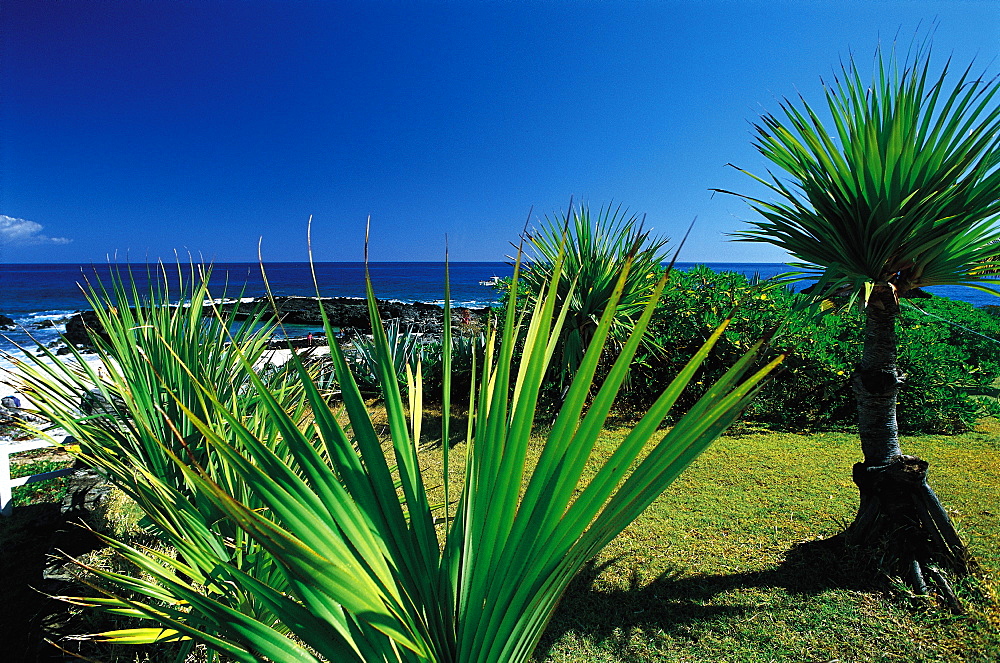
column 877, row 381
column 900, row 519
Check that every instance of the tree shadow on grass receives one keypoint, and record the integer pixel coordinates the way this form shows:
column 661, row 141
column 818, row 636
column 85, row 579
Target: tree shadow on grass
column 430, row 433
column 672, row 603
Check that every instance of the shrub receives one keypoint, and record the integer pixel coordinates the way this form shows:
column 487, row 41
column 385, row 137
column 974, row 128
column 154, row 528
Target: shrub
column 468, row 350
column 404, row 351
column 948, row 353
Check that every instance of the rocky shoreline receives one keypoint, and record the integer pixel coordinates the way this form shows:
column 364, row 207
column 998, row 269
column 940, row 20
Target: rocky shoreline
column 349, row 315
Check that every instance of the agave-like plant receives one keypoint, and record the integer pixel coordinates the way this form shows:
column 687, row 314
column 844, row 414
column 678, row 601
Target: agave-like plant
column 133, row 416
column 404, row 349
column 366, row 568
column 903, row 192
column 595, row 249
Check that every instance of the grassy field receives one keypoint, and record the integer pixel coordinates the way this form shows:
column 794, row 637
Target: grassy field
column 712, row 571
column 50, row 490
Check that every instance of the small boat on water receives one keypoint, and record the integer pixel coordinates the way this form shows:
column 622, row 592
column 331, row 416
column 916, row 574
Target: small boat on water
column 493, row 280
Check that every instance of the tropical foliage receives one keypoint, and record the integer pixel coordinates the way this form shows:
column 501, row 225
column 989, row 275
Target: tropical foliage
column 404, row 351
column 325, row 541
column 408, row 349
column 146, row 407
column 949, row 350
column 597, row 248
column 904, row 191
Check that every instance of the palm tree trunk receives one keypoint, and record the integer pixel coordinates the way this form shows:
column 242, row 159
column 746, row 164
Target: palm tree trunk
column 877, row 381
column 899, row 516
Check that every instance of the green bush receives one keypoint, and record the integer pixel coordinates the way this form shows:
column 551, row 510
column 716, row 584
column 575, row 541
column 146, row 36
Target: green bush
column 468, row 350
column 950, row 352
column 408, row 348
column 947, row 350
column 404, row 350
column 812, row 390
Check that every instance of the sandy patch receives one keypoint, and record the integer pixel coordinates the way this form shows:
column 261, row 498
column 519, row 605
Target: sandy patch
column 12, row 379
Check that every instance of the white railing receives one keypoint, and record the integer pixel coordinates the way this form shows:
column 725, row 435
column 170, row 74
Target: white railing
column 7, row 449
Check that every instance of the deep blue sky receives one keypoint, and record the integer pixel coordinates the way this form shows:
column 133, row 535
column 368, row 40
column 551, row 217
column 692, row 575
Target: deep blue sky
column 201, row 126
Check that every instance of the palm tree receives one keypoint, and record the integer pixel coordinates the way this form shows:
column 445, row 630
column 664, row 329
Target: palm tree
column 903, row 193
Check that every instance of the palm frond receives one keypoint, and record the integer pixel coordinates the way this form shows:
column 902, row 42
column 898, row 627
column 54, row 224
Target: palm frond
column 904, row 190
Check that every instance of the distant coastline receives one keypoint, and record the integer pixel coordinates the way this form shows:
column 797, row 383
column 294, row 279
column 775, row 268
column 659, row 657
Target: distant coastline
column 41, row 297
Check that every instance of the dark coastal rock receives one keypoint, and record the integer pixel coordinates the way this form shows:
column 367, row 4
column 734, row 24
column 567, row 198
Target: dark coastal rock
column 41, row 540
column 6, row 323
column 78, row 325
column 343, row 311
column 348, row 314
column 11, row 412
column 85, row 492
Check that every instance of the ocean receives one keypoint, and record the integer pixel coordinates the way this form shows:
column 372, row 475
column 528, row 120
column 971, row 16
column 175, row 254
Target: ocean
column 40, row 297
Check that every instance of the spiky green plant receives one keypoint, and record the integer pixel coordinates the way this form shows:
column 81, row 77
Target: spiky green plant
column 134, row 416
column 903, row 192
column 404, row 350
column 366, row 568
column 595, row 249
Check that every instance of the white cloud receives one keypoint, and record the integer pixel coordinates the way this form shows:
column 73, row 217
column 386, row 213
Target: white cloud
column 21, row 232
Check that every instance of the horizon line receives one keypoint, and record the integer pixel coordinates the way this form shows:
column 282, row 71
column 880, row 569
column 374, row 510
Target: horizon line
column 360, row 262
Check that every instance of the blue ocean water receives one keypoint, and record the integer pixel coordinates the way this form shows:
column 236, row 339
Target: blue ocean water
column 41, row 297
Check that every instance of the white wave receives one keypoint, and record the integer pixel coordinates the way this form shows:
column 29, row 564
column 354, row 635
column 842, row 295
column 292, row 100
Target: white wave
column 473, row 303
column 36, row 317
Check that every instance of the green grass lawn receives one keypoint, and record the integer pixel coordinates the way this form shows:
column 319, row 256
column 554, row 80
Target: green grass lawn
column 50, row 490
column 709, row 572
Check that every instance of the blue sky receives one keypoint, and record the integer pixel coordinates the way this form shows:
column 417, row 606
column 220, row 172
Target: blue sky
column 141, row 128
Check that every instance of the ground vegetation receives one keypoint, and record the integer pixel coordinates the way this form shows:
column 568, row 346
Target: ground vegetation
column 713, row 570
column 299, row 537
